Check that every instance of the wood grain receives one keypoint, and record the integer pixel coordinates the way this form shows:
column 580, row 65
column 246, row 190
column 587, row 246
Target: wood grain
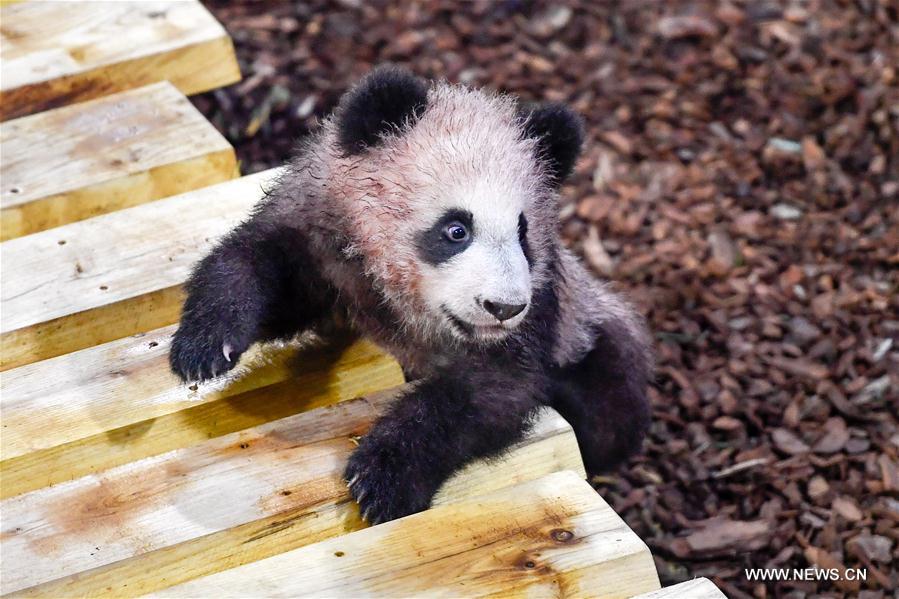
column 86, row 426
column 58, row 53
column 107, row 154
column 227, row 501
column 698, row 588
column 552, row 537
column 65, row 289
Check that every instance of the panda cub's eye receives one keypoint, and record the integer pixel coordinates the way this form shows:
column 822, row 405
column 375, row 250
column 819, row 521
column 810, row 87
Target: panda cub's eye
column 455, row 232
column 448, row 236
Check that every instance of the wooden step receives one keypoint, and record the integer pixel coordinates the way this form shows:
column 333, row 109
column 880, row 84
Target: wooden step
column 551, row 537
column 698, row 588
column 115, row 403
column 105, row 155
column 114, row 275
column 57, row 53
column 228, row 501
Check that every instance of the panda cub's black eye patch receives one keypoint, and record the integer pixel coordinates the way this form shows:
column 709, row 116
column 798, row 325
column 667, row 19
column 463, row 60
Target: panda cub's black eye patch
column 523, row 238
column 448, row 236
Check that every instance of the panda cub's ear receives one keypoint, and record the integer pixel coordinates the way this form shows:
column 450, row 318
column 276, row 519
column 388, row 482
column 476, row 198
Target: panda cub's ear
column 382, row 101
column 559, row 132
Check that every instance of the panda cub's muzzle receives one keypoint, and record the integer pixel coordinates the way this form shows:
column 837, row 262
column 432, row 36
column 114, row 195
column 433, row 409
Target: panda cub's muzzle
column 503, row 318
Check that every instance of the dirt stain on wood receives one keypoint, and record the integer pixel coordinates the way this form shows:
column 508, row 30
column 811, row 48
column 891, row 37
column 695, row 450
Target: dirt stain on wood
column 103, row 512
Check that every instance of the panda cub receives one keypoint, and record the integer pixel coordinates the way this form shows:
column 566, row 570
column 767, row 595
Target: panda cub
column 425, row 217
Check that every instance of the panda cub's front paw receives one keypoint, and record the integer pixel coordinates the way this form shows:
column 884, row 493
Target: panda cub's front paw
column 202, row 351
column 384, row 484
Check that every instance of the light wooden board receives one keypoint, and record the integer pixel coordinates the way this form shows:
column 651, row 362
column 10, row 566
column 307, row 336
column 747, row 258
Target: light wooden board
column 122, row 150
column 698, row 588
column 113, row 275
column 224, row 502
column 56, row 53
column 118, row 402
column 553, row 537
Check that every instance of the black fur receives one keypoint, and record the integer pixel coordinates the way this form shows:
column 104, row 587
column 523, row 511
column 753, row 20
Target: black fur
column 266, row 280
column 445, row 422
column 474, row 407
column 603, row 397
column 259, row 283
column 381, row 102
column 560, row 134
column 433, row 246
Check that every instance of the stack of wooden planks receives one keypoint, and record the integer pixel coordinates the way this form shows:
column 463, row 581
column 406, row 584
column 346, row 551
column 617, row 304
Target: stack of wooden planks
column 117, row 480
column 56, row 54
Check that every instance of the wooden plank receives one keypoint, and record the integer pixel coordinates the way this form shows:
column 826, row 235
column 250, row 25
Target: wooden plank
column 698, row 588
column 228, row 501
column 107, row 154
column 79, row 395
column 64, row 289
column 85, row 426
column 553, row 537
column 59, row 53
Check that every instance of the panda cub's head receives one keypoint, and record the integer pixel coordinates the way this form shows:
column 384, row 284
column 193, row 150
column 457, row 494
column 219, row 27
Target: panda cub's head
column 450, row 198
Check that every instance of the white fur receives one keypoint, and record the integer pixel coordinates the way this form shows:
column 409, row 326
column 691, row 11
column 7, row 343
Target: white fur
column 583, row 302
column 489, row 270
column 465, row 152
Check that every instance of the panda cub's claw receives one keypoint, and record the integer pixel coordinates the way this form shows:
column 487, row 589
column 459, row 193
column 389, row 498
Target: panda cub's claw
column 382, row 484
column 199, row 357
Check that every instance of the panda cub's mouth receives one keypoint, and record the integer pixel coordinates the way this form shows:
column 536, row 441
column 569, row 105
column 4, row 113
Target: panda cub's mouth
column 475, row 331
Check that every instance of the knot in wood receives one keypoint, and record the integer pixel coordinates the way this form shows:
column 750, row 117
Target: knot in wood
column 561, row 535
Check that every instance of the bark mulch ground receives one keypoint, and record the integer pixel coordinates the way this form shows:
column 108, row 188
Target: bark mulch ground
column 741, row 183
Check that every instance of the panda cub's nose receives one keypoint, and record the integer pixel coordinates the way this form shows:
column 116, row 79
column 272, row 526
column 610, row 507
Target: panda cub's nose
column 502, row 311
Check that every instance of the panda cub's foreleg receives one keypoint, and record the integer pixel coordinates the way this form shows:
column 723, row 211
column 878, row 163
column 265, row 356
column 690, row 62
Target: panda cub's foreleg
column 256, row 284
column 603, row 396
column 433, row 430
